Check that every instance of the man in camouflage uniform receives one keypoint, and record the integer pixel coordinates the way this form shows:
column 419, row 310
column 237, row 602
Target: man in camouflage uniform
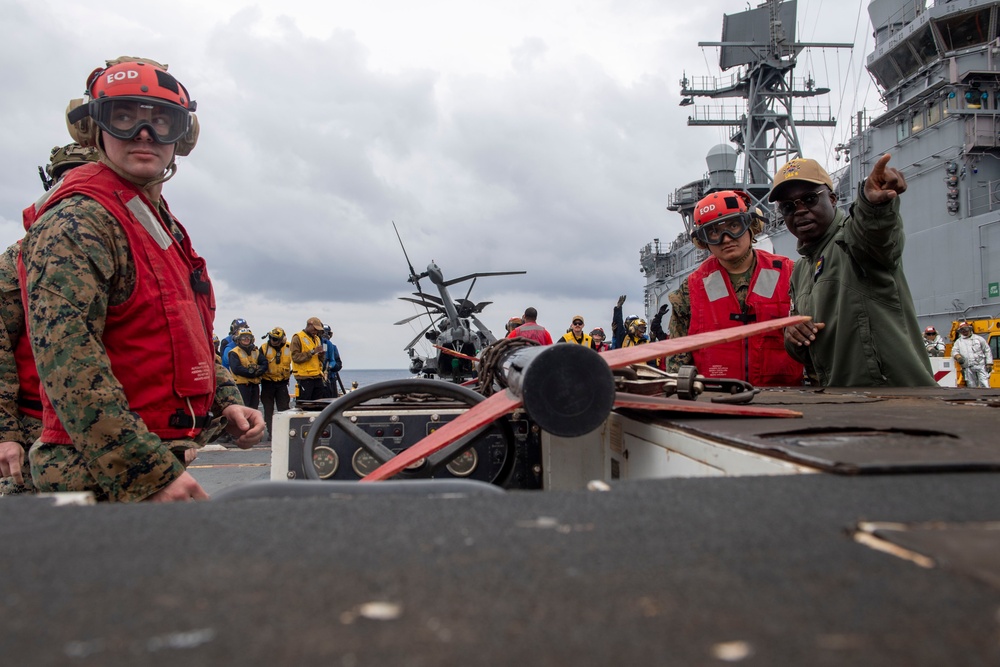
column 18, row 429
column 120, row 308
column 20, row 407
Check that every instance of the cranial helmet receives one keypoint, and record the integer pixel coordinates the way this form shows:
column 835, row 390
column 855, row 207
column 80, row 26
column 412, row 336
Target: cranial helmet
column 277, row 333
column 724, row 213
column 117, row 90
column 64, row 158
column 930, row 331
column 244, row 331
column 236, row 325
column 633, row 327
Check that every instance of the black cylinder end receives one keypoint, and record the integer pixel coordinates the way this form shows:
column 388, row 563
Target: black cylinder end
column 568, row 390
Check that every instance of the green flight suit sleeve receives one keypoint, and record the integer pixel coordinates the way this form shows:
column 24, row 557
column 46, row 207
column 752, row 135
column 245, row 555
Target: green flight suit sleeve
column 874, row 234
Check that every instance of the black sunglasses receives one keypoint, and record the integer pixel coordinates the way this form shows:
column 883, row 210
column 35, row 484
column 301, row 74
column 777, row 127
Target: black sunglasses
column 810, row 199
column 577, row 323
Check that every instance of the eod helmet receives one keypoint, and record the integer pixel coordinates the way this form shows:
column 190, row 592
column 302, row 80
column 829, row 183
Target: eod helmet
column 130, row 94
column 724, row 213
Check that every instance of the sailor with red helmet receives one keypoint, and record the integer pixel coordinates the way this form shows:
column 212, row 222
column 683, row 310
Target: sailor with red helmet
column 597, row 338
column 737, row 285
column 119, row 306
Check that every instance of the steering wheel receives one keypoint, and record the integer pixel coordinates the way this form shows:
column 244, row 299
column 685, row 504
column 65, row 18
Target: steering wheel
column 333, row 414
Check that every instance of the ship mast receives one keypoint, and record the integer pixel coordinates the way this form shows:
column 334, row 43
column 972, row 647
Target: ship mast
column 761, row 44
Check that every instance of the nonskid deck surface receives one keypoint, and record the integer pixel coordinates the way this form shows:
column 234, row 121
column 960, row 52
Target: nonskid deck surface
column 862, row 431
column 653, row 572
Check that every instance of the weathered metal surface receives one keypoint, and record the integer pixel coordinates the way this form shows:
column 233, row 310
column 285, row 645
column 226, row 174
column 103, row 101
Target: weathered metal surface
column 869, row 431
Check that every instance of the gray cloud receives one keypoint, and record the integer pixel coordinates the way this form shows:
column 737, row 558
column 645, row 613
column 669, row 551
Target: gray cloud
column 559, row 164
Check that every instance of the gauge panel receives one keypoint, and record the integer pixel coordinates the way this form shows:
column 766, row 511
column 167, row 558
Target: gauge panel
column 485, row 460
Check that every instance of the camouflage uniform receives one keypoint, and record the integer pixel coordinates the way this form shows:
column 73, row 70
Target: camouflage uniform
column 78, row 265
column 680, row 318
column 15, row 426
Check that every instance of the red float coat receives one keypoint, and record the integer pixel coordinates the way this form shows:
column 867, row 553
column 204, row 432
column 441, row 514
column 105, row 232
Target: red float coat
column 533, row 331
column 761, row 359
column 159, row 342
column 29, row 399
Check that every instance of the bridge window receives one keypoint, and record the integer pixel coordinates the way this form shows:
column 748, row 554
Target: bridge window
column 965, row 30
column 902, row 130
column 923, row 43
column 933, row 113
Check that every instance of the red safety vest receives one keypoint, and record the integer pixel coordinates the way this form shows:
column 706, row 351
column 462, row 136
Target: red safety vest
column 761, row 359
column 159, row 342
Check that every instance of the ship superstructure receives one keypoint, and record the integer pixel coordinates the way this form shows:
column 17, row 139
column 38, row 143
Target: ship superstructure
column 938, row 69
column 759, row 46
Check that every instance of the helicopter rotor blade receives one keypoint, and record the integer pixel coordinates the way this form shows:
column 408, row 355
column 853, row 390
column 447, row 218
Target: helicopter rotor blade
column 409, row 319
column 414, row 278
column 419, row 302
column 448, row 283
column 420, row 335
column 429, row 297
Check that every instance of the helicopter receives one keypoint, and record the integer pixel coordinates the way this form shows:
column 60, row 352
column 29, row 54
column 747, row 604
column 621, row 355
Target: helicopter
column 454, row 330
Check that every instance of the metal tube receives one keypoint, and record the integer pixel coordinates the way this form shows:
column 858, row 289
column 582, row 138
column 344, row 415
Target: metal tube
column 567, row 389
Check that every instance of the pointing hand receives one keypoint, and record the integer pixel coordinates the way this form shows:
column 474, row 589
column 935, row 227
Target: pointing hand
column 884, row 183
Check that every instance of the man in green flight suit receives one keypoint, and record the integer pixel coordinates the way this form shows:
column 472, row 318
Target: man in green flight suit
column 850, row 280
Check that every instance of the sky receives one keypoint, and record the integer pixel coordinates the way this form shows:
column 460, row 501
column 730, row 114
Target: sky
column 543, row 137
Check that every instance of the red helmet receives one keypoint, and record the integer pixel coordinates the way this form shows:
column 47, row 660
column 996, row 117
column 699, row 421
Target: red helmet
column 930, row 331
column 138, row 79
column 130, row 94
column 721, row 204
column 722, row 213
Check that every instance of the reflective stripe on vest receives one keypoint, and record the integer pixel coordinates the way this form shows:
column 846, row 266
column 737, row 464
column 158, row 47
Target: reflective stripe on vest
column 279, row 363
column 311, row 368
column 245, row 361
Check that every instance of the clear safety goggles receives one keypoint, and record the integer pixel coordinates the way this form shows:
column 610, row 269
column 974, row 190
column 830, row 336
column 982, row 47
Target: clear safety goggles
column 124, row 117
column 733, row 227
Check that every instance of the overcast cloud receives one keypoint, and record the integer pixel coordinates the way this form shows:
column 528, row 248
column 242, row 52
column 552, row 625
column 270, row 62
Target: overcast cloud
column 543, row 137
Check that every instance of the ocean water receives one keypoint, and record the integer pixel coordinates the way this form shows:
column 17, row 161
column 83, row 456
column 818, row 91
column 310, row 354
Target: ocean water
column 364, row 376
